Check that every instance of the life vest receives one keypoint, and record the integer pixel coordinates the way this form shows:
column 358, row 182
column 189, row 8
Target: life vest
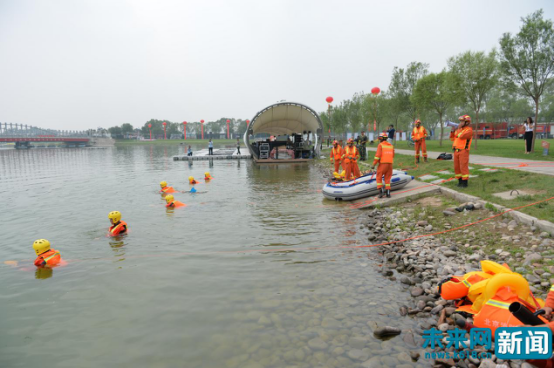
column 193, row 182
column 351, row 151
column 462, row 143
column 457, row 287
column 49, row 258
column 495, row 312
column 120, row 228
column 167, row 190
column 337, row 153
column 385, row 153
column 419, row 133
column 175, row 204
column 208, row 178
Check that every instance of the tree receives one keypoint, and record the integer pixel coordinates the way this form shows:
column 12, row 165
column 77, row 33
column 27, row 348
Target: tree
column 436, row 92
column 126, row 128
column 402, row 86
column 527, row 59
column 504, row 104
column 114, row 130
column 474, row 74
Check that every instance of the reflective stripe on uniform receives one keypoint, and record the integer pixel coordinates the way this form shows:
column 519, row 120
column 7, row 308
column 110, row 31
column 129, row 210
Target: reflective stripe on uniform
column 552, row 288
column 466, row 283
column 52, row 256
column 498, row 304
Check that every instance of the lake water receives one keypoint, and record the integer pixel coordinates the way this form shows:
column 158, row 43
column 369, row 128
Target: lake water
column 247, row 275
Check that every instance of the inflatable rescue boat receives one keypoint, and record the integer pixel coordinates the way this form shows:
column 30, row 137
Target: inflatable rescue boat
column 363, row 186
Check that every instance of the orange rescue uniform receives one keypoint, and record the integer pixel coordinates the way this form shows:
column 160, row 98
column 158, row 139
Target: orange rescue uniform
column 175, row 204
column 167, row 190
column 119, row 228
column 418, row 136
column 351, row 165
column 385, row 158
column 336, row 153
column 49, row 258
column 462, row 138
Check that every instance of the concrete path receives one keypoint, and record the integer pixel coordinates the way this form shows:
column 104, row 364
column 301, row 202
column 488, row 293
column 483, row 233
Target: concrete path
column 412, row 190
column 538, row 167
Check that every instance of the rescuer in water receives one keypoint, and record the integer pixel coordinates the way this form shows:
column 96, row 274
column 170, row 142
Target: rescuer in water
column 118, row 227
column 207, row 176
column 165, row 189
column 172, row 203
column 47, row 257
column 192, row 181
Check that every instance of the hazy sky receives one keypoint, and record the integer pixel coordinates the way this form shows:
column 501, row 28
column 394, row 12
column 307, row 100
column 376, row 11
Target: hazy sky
column 70, row 64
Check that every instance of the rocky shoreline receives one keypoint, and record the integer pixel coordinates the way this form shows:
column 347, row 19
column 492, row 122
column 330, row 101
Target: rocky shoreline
column 421, row 264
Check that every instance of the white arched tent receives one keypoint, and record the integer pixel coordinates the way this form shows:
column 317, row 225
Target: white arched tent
column 285, row 118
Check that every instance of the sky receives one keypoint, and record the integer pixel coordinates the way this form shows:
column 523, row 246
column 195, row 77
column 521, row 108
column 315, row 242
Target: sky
column 80, row 64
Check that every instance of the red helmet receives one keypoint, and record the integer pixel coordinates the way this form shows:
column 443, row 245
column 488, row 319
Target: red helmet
column 383, row 136
column 417, row 121
column 465, row 118
column 335, row 142
column 350, row 140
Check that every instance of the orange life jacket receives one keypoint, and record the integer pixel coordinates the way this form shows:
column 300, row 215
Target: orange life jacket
column 419, row 133
column 337, row 153
column 121, row 227
column 457, row 287
column 385, row 153
column 462, row 138
column 175, row 204
column 351, row 151
column 49, row 258
column 167, row 190
column 495, row 312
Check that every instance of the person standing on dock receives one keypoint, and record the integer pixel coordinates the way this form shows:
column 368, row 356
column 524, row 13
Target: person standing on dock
column 418, row 136
column 385, row 158
column 238, row 146
column 350, row 160
column 189, row 151
column 461, row 138
column 210, row 147
column 336, row 154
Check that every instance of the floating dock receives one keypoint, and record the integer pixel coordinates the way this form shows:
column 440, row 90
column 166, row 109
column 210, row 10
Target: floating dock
column 218, row 154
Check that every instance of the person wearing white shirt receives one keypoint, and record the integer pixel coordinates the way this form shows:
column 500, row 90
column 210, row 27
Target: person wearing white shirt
column 528, row 134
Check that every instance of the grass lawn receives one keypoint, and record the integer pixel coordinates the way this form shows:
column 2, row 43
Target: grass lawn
column 487, row 183
column 513, row 148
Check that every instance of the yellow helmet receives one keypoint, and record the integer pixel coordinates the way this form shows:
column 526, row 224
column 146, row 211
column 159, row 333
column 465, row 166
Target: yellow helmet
column 163, row 184
column 41, row 245
column 206, row 174
column 169, row 198
column 191, row 178
column 115, row 216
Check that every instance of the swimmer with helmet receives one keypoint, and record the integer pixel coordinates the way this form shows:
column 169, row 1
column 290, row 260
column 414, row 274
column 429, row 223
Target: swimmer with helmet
column 118, row 227
column 165, row 189
column 207, row 176
column 192, row 181
column 47, row 257
column 172, row 203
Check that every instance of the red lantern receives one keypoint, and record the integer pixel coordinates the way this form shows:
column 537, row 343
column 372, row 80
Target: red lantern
column 228, row 121
column 164, row 124
column 329, row 99
column 375, row 90
column 185, row 129
column 202, row 127
column 247, row 121
column 150, row 128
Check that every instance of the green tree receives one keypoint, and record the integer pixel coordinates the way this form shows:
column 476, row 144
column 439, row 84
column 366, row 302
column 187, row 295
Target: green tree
column 436, row 92
column 115, row 130
column 504, row 104
column 474, row 74
column 403, row 82
column 527, row 59
column 127, row 128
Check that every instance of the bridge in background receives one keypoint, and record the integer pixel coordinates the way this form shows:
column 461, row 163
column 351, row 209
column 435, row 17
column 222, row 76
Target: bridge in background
column 24, row 135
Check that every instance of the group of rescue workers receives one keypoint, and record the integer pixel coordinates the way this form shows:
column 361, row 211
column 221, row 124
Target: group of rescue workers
column 348, row 156
column 49, row 257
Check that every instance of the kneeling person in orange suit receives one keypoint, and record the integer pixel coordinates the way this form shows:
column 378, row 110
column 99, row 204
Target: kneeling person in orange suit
column 336, row 154
column 118, row 227
column 384, row 157
column 350, row 160
column 165, row 188
column 46, row 256
column 461, row 139
column 172, row 203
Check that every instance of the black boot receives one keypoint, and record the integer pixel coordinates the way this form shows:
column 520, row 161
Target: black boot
column 464, row 183
column 425, row 159
column 388, row 193
column 460, row 184
column 417, row 160
column 381, row 192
